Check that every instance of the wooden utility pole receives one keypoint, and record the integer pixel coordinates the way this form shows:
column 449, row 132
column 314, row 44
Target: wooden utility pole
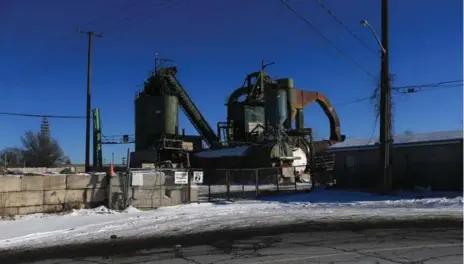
column 88, row 108
column 385, row 105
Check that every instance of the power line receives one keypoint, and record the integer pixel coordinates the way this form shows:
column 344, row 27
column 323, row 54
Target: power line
column 420, row 90
column 433, row 86
column 355, row 101
column 428, row 87
column 413, row 88
column 42, row 115
column 374, row 128
column 284, row 2
column 417, row 88
column 351, row 32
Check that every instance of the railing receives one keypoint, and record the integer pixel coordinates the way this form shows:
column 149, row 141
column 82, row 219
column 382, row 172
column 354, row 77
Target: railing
column 242, row 184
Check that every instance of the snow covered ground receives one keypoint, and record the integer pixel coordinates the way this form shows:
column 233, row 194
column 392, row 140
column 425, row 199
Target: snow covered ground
column 99, row 224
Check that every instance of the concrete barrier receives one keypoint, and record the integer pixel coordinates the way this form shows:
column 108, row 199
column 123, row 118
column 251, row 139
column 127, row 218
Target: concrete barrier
column 83, row 181
column 156, row 191
column 43, row 170
column 23, row 194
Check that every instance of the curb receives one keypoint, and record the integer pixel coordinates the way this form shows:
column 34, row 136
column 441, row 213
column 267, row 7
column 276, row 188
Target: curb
column 130, row 246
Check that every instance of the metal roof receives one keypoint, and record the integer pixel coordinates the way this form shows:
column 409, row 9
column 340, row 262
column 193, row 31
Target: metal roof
column 402, row 139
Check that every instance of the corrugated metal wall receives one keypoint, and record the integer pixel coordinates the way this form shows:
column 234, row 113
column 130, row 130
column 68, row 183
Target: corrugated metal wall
column 438, row 166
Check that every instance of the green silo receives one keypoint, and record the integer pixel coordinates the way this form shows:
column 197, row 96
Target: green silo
column 275, row 107
column 155, row 115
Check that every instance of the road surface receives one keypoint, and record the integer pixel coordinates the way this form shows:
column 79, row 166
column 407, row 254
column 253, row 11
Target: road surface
column 439, row 245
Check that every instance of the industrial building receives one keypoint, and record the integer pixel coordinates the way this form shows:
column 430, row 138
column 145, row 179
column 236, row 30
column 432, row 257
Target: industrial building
column 432, row 160
column 264, row 128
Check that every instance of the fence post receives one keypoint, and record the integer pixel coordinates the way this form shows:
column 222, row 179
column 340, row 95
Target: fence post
column 296, row 186
column 256, row 183
column 126, row 188
column 109, row 190
column 189, row 185
column 228, row 184
column 209, row 191
column 277, row 180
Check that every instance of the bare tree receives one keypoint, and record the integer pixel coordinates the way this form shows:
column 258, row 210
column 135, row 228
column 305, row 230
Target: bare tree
column 12, row 157
column 41, row 150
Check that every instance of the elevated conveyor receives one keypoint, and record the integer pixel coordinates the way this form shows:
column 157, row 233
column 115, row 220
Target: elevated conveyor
column 168, row 76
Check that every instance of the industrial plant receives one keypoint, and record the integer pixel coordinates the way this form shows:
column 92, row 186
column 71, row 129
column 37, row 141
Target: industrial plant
column 264, row 128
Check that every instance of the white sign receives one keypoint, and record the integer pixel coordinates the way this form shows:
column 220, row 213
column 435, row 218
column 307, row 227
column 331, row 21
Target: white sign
column 137, row 179
column 181, row 177
column 198, row 177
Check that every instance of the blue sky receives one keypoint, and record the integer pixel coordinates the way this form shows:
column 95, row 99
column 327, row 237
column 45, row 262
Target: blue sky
column 214, row 44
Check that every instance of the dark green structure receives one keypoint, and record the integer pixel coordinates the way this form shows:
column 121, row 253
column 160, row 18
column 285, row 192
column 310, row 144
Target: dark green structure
column 276, row 107
column 97, row 139
column 167, row 77
column 157, row 137
column 155, row 116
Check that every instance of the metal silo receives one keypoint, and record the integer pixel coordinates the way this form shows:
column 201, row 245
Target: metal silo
column 287, row 84
column 275, row 107
column 154, row 116
column 171, row 114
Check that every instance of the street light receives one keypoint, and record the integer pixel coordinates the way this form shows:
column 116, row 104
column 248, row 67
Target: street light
column 366, row 24
column 385, row 103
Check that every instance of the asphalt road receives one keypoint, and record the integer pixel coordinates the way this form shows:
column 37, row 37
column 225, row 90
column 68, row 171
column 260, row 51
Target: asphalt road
column 432, row 245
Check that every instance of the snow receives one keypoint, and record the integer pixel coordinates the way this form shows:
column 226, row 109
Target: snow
column 80, row 226
column 225, row 152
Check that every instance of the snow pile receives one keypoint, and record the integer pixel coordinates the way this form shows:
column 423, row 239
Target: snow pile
column 330, row 198
column 100, row 224
column 97, row 210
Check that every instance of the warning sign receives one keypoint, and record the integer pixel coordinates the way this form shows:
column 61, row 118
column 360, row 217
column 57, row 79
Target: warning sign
column 181, row 177
column 198, row 177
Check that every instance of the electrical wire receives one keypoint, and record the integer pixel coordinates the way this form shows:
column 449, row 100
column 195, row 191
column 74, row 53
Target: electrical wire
column 351, row 32
column 427, row 87
column 284, row 2
column 374, row 128
column 407, row 90
column 420, row 90
column 41, row 115
column 435, row 84
column 355, row 101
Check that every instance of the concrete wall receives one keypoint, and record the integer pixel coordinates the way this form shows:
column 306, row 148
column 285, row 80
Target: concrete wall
column 50, row 193
column 439, row 166
column 42, row 170
column 54, row 193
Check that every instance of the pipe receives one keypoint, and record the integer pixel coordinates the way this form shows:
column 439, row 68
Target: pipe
column 304, row 98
